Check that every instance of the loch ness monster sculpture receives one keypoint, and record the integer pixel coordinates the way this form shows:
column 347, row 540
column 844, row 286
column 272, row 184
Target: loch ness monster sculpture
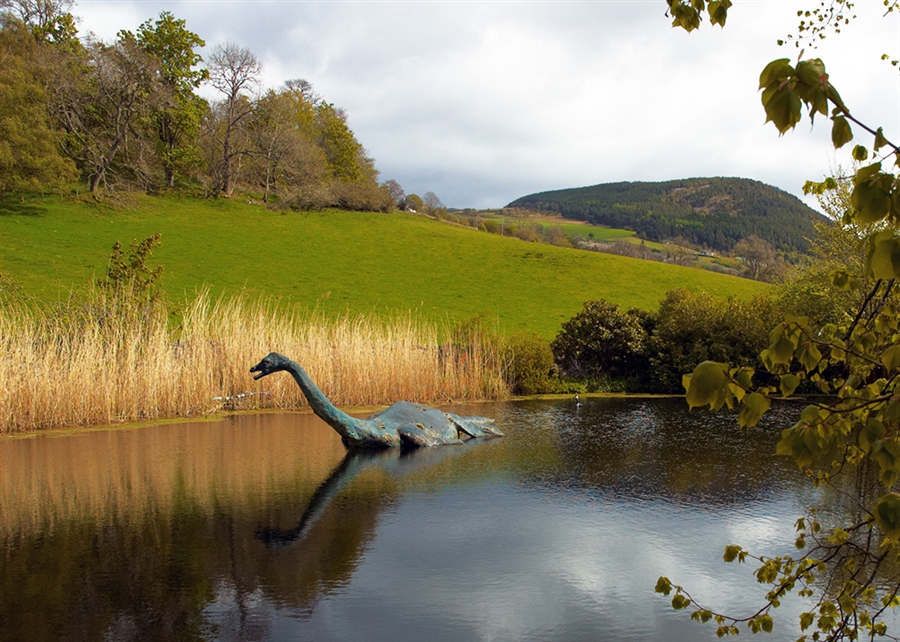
column 402, row 425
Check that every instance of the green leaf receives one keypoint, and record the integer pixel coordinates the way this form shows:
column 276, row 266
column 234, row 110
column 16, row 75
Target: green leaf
column 812, row 72
column 887, row 515
column 743, row 376
column 775, row 72
column 809, row 356
column 806, row 620
column 706, row 384
column 755, row 405
column 685, row 16
column 788, row 384
column 782, row 350
column 871, row 434
column 871, row 202
column 860, row 153
column 883, row 258
column 842, row 280
column 880, row 140
column 895, row 198
column 866, row 173
column 782, row 107
column 891, row 358
column 718, row 12
column 841, row 134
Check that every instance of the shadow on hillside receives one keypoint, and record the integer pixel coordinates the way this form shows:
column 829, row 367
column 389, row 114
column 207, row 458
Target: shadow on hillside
column 16, row 208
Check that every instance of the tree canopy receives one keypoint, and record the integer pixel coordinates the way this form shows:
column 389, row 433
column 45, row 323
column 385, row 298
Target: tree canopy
column 127, row 115
column 848, row 438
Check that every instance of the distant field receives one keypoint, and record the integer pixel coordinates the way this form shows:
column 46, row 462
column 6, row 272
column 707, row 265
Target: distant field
column 574, row 228
column 336, row 261
column 595, row 232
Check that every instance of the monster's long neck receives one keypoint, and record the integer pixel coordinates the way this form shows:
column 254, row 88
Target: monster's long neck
column 348, row 427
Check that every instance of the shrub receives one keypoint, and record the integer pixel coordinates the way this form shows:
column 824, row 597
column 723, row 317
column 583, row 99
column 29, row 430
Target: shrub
column 529, row 364
column 493, row 227
column 525, row 234
column 603, row 341
column 692, row 328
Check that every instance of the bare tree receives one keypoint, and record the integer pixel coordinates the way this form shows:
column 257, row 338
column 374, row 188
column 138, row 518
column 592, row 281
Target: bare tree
column 759, row 258
column 304, row 88
column 233, row 71
column 432, row 203
column 396, row 192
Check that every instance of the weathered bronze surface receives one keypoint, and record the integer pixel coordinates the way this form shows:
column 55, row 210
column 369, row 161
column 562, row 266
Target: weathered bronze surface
column 404, row 424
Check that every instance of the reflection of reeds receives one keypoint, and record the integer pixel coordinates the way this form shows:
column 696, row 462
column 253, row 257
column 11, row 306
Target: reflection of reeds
column 93, row 368
column 137, row 474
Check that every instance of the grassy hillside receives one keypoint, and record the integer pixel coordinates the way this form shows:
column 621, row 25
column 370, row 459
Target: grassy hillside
column 716, row 212
column 335, row 260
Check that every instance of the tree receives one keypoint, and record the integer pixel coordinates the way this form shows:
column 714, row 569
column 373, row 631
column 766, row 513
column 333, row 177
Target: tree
column 432, row 204
column 838, row 246
column 29, row 153
column 48, row 20
column 343, row 151
column 847, row 561
column 396, row 192
column 285, row 153
column 102, row 101
column 733, row 331
column 759, row 258
column 602, row 340
column 414, row 203
column 233, row 71
column 177, row 122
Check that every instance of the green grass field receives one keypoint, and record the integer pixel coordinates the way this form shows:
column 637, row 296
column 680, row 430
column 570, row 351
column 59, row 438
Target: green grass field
column 334, row 260
column 595, row 232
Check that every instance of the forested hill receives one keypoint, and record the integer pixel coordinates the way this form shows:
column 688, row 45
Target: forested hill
column 715, row 212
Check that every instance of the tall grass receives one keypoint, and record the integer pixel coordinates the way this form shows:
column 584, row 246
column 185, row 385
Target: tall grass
column 116, row 358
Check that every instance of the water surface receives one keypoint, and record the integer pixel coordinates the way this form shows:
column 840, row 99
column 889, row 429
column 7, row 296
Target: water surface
column 262, row 528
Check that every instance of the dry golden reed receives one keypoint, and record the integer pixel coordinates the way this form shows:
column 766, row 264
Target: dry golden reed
column 104, row 363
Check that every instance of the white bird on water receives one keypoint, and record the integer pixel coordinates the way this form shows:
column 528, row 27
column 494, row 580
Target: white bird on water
column 577, row 402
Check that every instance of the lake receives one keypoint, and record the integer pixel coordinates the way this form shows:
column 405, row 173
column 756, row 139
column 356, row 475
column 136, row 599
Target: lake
column 261, row 527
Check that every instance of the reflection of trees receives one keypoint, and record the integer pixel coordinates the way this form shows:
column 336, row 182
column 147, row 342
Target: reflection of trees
column 147, row 553
column 90, row 579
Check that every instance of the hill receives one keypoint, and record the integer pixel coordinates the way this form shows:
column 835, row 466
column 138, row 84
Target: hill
column 712, row 212
column 334, row 260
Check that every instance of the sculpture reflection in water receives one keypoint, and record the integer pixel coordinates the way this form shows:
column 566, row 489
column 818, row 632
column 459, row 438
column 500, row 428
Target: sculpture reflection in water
column 394, row 462
column 404, row 424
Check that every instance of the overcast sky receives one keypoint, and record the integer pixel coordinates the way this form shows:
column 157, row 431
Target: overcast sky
column 483, row 102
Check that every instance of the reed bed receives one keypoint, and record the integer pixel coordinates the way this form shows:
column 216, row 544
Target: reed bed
column 115, row 359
